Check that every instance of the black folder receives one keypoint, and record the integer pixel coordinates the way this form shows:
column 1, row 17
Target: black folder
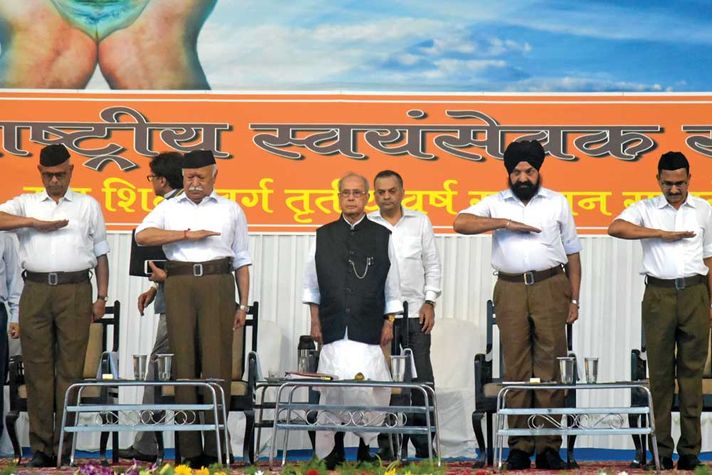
column 140, row 255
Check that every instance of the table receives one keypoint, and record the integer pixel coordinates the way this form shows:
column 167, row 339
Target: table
column 586, row 420
column 139, row 417
column 262, row 405
column 295, row 415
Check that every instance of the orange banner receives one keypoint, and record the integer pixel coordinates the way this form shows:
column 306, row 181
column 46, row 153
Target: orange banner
column 280, row 155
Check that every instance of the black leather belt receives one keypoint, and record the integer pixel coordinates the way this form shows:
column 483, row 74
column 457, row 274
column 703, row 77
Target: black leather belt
column 57, row 278
column 199, row 269
column 678, row 284
column 531, row 277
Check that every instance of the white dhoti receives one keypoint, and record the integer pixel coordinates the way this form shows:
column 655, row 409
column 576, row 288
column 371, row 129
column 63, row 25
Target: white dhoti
column 344, row 359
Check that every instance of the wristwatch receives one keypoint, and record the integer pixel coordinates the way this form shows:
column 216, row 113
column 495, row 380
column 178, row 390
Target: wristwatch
column 243, row 307
column 105, row 298
column 391, row 318
column 575, row 302
column 430, row 302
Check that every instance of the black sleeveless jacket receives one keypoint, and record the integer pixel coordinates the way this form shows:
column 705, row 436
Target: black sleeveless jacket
column 351, row 268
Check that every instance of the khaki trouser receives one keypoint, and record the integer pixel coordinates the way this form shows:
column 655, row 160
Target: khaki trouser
column 55, row 329
column 200, row 312
column 532, row 325
column 676, row 326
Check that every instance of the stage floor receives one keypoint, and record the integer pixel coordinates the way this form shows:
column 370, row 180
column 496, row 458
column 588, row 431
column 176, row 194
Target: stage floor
column 591, row 461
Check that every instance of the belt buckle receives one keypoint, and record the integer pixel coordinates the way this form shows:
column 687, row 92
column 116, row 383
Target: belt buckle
column 197, row 270
column 529, row 278
column 680, row 283
column 52, row 278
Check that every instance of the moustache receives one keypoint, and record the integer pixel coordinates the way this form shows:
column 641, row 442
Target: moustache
column 195, row 188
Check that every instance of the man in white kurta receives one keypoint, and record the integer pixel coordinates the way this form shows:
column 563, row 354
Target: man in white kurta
column 353, row 290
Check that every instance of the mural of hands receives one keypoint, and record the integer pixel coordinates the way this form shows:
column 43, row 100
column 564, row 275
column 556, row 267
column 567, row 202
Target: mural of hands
column 137, row 44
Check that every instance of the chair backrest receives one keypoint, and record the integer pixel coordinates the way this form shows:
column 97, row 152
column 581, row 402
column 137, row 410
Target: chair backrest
column 239, row 339
column 400, row 334
column 99, row 339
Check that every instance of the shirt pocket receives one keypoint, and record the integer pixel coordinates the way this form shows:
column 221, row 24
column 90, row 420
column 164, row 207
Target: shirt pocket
column 408, row 248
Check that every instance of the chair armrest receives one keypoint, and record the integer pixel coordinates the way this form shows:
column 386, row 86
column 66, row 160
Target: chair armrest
column 16, row 377
column 638, row 366
column 483, row 374
column 16, row 371
column 252, row 375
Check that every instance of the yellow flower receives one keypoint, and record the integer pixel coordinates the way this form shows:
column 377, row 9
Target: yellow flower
column 390, row 472
column 219, row 473
column 183, row 470
column 202, row 471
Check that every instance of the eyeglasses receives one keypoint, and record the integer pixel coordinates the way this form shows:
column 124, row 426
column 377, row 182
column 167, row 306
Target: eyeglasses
column 59, row 176
column 150, row 178
column 677, row 184
column 354, row 193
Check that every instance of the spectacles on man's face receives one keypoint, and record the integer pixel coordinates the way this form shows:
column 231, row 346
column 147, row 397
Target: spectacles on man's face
column 669, row 184
column 59, row 176
column 354, row 193
column 150, row 178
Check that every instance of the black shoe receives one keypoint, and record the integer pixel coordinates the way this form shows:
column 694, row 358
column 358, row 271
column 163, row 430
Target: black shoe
column 334, row 458
column 133, row 454
column 422, row 453
column 194, row 462
column 518, row 460
column 209, row 460
column 385, row 454
column 688, row 462
column 549, row 459
column 665, row 464
column 40, row 459
column 363, row 455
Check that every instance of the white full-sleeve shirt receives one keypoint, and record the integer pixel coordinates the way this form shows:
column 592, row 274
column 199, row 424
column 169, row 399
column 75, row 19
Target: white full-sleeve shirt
column 213, row 213
column 517, row 253
column 682, row 258
column 417, row 257
column 74, row 247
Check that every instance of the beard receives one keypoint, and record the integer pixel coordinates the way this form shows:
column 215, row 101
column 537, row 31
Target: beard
column 525, row 191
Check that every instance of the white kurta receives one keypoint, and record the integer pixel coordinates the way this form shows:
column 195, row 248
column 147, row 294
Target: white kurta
column 343, row 359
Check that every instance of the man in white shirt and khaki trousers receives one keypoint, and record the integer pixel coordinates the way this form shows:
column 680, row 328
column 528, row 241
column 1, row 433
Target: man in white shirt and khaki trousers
column 204, row 237
column 420, row 273
column 675, row 230
column 534, row 237
column 62, row 239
